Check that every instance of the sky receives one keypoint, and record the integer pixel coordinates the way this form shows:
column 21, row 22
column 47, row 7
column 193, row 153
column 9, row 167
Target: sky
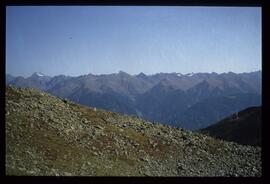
column 78, row 40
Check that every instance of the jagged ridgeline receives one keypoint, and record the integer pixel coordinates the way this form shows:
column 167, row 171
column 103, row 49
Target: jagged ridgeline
column 46, row 135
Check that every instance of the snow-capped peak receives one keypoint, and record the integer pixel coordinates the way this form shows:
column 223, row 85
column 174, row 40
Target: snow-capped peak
column 190, row 74
column 179, row 74
column 40, row 74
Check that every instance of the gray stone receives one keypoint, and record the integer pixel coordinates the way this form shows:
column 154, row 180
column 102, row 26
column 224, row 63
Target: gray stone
column 99, row 127
column 254, row 169
column 67, row 174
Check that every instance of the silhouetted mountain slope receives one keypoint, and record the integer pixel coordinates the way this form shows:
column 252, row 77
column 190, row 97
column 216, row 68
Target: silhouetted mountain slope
column 49, row 136
column 243, row 127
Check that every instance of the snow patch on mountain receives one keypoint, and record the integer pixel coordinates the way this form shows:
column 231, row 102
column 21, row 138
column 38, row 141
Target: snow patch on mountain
column 190, row 74
column 40, row 74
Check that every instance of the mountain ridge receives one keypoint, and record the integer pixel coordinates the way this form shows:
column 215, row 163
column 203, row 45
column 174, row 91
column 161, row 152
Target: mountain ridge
column 125, row 93
column 142, row 73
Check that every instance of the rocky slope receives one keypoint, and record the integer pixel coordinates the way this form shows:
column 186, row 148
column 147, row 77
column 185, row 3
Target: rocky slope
column 46, row 135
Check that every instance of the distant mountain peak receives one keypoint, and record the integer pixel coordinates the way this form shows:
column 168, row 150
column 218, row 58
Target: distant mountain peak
column 122, row 72
column 232, row 73
column 141, row 75
column 190, row 74
column 228, row 73
column 39, row 74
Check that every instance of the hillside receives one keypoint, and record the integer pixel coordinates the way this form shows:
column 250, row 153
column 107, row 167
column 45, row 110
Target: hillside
column 243, row 127
column 46, row 135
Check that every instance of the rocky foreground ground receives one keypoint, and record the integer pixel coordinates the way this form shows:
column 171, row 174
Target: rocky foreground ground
column 46, row 135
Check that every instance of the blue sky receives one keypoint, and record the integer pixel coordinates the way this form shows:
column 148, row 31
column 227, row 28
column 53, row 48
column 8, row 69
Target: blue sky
column 78, row 40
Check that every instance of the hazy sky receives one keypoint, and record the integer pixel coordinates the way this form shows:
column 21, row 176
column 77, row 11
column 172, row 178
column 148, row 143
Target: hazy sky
column 77, row 40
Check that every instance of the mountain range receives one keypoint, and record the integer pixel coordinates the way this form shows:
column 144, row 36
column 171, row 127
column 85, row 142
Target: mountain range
column 192, row 101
